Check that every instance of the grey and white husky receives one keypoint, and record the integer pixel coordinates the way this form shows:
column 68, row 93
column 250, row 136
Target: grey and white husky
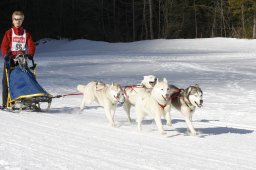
column 107, row 95
column 186, row 101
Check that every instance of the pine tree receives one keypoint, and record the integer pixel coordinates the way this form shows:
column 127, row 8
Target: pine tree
column 245, row 10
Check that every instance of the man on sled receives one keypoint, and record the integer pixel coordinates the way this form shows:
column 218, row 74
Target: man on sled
column 15, row 41
column 19, row 84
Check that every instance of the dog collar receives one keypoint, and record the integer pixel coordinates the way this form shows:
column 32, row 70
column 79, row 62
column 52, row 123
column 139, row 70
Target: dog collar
column 161, row 105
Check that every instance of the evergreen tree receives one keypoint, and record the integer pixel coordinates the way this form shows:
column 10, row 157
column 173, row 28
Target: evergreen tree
column 245, row 13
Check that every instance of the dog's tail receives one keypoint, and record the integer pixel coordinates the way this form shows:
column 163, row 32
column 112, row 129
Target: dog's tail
column 81, row 88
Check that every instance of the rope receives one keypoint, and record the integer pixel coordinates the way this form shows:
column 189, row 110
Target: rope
column 69, row 94
column 132, row 86
column 76, row 94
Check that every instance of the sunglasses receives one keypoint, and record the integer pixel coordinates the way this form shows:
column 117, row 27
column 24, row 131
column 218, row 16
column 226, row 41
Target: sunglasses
column 18, row 19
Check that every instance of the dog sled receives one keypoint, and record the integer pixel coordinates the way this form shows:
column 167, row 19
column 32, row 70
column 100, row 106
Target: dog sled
column 24, row 92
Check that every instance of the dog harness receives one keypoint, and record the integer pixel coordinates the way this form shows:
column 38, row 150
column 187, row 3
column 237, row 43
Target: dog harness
column 132, row 88
column 161, row 105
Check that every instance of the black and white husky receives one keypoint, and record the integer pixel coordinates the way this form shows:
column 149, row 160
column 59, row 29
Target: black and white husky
column 186, row 101
column 107, row 95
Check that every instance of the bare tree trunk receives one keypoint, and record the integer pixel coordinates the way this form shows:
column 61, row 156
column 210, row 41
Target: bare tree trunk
column 221, row 17
column 127, row 25
column 102, row 19
column 114, row 17
column 195, row 18
column 242, row 7
column 150, row 19
column 60, row 19
column 144, row 19
column 133, row 22
column 165, row 20
column 159, row 19
column 214, row 23
column 168, row 18
column 165, row 24
column 223, row 20
column 73, row 14
column 254, row 26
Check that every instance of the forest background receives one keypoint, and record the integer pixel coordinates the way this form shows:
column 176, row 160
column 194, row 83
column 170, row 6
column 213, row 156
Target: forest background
column 133, row 20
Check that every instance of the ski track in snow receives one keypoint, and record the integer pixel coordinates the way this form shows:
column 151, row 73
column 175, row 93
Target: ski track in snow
column 37, row 134
column 66, row 139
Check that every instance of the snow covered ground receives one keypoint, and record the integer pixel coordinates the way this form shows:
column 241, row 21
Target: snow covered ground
column 64, row 139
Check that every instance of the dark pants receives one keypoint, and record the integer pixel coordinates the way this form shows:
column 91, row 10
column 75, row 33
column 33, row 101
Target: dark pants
column 4, row 88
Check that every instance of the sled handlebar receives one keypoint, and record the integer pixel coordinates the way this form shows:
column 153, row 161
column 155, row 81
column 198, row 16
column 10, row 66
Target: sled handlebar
column 24, row 56
column 33, row 64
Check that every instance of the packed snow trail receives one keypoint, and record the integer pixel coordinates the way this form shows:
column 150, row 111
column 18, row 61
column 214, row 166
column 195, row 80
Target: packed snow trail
column 66, row 138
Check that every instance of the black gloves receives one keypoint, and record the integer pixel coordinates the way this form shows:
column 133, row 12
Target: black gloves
column 6, row 58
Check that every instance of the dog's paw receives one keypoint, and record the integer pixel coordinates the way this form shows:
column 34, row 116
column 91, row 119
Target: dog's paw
column 80, row 111
column 129, row 120
column 169, row 124
column 112, row 125
column 163, row 133
column 194, row 133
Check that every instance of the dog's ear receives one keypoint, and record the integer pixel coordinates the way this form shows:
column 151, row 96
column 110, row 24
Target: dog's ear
column 152, row 76
column 196, row 85
column 188, row 90
column 112, row 84
column 165, row 80
column 182, row 91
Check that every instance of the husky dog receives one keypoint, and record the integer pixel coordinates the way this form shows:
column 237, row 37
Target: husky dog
column 156, row 103
column 105, row 94
column 149, row 81
column 186, row 101
column 131, row 92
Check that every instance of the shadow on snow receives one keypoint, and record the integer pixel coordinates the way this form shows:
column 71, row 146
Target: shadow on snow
column 205, row 131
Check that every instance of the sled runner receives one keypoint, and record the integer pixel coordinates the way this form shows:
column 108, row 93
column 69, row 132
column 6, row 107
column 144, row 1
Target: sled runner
column 24, row 92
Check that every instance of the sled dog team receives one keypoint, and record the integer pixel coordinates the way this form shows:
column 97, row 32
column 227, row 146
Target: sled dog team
column 151, row 97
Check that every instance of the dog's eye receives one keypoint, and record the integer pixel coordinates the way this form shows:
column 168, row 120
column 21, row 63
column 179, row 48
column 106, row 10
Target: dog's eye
column 162, row 89
column 168, row 88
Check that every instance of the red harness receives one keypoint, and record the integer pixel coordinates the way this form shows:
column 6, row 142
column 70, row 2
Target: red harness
column 162, row 106
column 131, row 87
column 172, row 97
